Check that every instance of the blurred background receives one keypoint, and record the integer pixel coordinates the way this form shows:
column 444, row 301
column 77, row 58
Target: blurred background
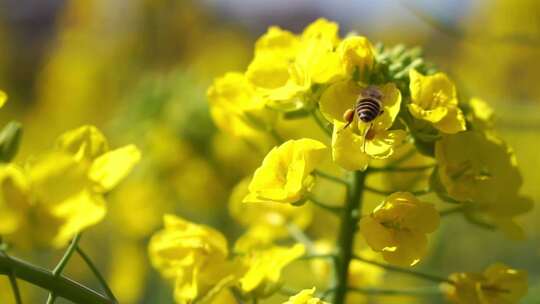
column 139, row 69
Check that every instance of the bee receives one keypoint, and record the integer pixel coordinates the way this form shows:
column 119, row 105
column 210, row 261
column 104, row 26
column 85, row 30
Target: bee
column 368, row 107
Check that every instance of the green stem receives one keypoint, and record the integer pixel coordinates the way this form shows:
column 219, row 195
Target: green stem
column 332, row 209
column 386, row 192
column 348, row 228
column 63, row 263
column 298, row 235
column 59, row 285
column 392, row 169
column 449, row 211
column 471, row 219
column 325, row 294
column 237, row 295
column 67, row 255
column 275, row 135
column 96, row 273
column 331, row 177
column 403, row 158
column 393, row 268
column 396, row 292
column 15, row 288
column 51, row 298
column 322, row 125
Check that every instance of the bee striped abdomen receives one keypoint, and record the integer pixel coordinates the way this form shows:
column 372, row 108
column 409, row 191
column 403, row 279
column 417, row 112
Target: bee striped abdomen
column 368, row 109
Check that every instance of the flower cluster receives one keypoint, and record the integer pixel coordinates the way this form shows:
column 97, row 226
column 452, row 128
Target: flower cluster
column 380, row 108
column 196, row 258
column 53, row 196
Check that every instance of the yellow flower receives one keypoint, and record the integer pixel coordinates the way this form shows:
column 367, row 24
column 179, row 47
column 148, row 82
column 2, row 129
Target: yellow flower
column 235, row 106
column 278, row 41
column 318, row 62
column 354, row 146
column 106, row 168
column 62, row 191
column 264, row 267
column 398, row 228
column 84, row 143
column 499, row 284
column 322, row 29
column 356, row 52
column 276, row 80
column 193, row 256
column 434, row 99
column 285, row 66
column 316, row 56
column 271, row 72
column 305, row 297
column 285, row 173
column 66, row 186
column 480, row 168
column 14, row 198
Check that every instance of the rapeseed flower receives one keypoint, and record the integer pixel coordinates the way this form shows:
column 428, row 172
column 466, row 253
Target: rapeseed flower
column 193, row 256
column 66, row 186
column 434, row 99
column 285, row 173
column 498, row 284
column 264, row 266
column 354, row 146
column 357, row 55
column 236, row 108
column 286, row 66
column 397, row 228
column 481, row 169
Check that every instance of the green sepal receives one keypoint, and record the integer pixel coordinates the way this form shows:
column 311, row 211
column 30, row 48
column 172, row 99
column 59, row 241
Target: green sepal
column 10, row 138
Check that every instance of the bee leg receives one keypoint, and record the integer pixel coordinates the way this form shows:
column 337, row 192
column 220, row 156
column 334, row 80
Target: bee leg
column 365, row 139
column 348, row 116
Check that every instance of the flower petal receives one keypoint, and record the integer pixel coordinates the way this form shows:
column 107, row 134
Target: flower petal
column 383, row 144
column 376, row 235
column 110, row 168
column 347, row 148
column 338, row 98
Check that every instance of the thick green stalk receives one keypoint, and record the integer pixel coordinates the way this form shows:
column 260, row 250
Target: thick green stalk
column 347, row 230
column 59, row 285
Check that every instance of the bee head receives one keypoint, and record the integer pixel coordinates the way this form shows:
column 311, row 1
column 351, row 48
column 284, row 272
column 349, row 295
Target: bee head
column 372, row 92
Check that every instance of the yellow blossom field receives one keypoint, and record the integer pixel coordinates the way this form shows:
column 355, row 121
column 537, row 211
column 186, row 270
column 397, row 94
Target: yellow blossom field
column 284, row 152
